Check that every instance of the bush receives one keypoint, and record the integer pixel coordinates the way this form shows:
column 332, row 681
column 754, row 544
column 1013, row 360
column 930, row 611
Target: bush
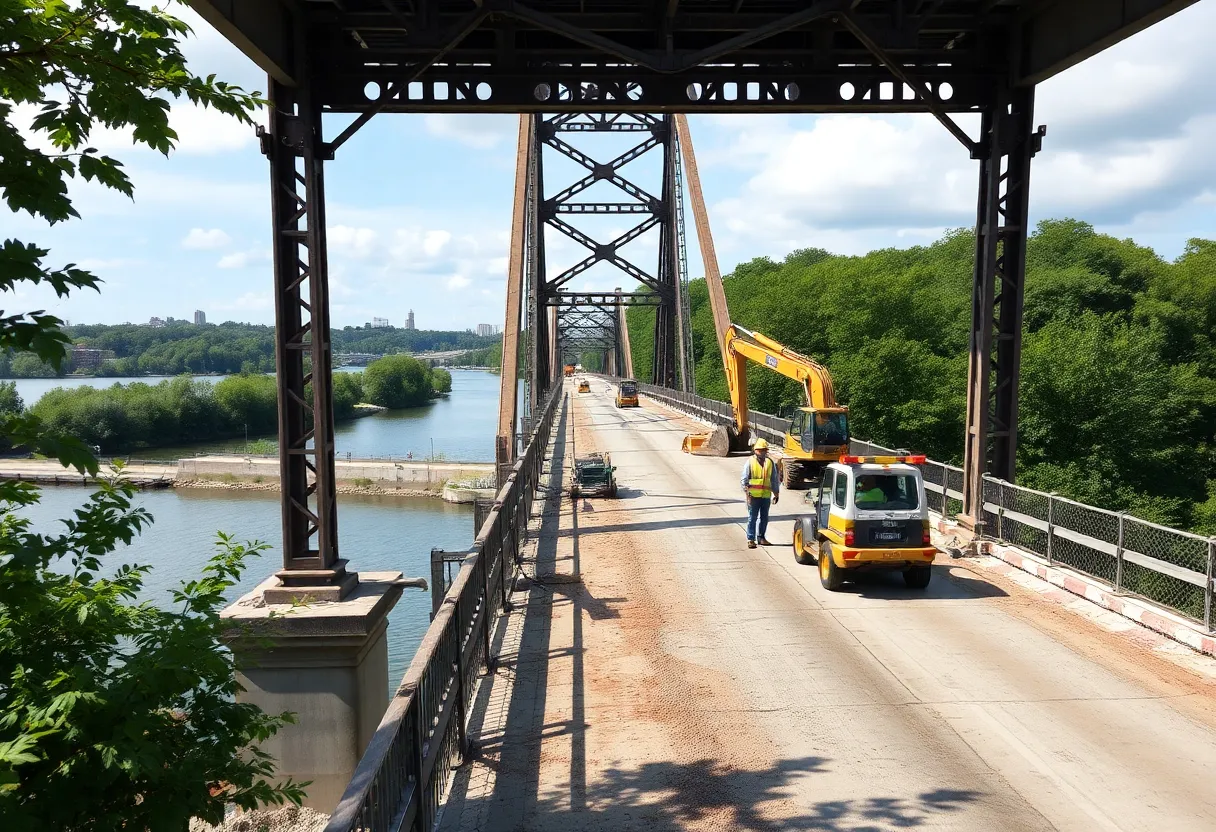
column 441, row 379
column 398, row 381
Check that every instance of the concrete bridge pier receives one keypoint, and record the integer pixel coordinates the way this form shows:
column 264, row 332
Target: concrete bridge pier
column 326, row 662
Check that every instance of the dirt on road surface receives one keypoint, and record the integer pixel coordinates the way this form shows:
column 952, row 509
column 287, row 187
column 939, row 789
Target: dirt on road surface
column 658, row 675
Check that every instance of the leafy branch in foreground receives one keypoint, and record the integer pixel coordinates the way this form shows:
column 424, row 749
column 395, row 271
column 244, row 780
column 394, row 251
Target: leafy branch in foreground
column 117, row 712
column 71, row 68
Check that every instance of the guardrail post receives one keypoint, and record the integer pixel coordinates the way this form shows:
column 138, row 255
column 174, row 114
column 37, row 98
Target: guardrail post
column 1207, row 593
column 1000, row 510
column 1051, row 524
column 486, row 608
column 462, row 741
column 1119, row 557
column 438, row 581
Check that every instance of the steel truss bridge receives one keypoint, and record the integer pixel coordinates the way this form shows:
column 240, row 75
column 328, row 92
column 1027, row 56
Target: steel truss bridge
column 581, row 68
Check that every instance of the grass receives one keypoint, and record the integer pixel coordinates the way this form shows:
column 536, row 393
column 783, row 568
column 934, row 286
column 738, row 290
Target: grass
column 361, row 482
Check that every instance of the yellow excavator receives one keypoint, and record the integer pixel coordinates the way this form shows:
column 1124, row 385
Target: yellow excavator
column 817, row 434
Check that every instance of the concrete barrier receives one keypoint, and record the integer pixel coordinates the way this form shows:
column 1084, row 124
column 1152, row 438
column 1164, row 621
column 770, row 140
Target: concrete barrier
column 412, row 473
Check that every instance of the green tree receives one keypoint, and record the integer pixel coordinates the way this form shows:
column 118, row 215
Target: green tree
column 441, row 380
column 114, row 713
column 397, row 381
column 28, row 365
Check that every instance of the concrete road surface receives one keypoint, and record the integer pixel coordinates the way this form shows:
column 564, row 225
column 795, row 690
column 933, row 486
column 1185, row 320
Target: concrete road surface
column 658, row 675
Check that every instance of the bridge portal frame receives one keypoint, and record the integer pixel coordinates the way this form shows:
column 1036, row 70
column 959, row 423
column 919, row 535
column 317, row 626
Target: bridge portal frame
column 366, row 57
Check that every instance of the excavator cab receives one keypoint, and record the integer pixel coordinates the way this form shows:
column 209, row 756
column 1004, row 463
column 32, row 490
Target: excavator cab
column 821, row 432
column 816, row 436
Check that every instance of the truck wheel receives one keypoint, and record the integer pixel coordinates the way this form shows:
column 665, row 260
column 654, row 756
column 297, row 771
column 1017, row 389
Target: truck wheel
column 791, row 474
column 917, row 577
column 800, row 553
column 830, row 575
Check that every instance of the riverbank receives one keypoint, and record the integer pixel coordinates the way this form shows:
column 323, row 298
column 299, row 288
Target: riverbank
column 451, row 481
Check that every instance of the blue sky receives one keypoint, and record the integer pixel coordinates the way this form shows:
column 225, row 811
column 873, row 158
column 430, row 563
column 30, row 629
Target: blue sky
column 419, row 206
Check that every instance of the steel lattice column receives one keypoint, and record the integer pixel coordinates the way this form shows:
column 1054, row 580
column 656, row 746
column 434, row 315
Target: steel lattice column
column 1007, row 145
column 302, row 354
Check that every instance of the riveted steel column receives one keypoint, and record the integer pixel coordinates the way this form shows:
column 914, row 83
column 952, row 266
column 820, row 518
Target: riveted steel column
column 508, row 405
column 1006, row 146
column 302, row 355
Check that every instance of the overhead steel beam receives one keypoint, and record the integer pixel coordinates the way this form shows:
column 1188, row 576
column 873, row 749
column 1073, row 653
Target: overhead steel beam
column 1057, row 35
column 262, row 29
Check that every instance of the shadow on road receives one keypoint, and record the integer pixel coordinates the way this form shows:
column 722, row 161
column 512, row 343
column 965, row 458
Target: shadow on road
column 706, row 794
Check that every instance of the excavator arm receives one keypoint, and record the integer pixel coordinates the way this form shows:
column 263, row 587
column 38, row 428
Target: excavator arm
column 818, row 432
column 743, row 345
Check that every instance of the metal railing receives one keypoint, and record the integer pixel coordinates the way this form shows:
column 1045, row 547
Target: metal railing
column 1169, row 567
column 400, row 782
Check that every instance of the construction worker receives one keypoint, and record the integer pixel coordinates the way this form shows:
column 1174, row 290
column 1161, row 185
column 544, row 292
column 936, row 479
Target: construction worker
column 762, row 486
column 868, row 492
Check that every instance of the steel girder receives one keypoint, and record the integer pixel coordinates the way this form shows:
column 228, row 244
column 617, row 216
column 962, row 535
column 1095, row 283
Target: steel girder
column 636, row 55
column 1008, row 143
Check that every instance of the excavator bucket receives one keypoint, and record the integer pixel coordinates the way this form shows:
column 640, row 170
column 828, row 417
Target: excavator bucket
column 715, row 443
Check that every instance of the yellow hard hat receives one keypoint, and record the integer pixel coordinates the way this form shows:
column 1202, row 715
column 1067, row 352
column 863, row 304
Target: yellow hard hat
column 760, row 443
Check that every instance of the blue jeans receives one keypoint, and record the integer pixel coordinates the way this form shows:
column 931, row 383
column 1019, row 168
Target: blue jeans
column 757, row 514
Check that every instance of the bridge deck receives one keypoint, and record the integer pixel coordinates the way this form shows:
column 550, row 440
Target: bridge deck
column 687, row 682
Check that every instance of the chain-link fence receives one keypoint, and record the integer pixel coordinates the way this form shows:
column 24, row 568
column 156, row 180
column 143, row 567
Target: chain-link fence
column 1170, row 567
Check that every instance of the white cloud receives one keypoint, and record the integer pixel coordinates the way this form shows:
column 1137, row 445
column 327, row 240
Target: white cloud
column 205, row 239
column 457, row 282
column 357, row 243
column 433, row 242
column 248, row 302
column 476, row 130
column 242, row 259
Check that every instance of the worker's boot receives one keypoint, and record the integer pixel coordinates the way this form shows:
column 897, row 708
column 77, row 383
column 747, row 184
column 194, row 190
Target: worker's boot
column 751, row 544
column 764, row 542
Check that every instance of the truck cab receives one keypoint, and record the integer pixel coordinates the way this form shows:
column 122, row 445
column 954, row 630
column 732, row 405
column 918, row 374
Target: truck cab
column 868, row 514
column 627, row 393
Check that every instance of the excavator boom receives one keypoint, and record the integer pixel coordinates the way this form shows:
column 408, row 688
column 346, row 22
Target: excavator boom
column 818, row 432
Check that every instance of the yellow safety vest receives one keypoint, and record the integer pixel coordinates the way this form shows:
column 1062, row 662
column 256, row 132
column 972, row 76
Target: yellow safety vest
column 760, row 481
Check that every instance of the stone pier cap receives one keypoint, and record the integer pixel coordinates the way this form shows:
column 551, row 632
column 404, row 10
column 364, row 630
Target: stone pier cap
column 357, row 616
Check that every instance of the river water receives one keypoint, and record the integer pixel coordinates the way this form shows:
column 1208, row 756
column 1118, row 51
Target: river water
column 374, row 532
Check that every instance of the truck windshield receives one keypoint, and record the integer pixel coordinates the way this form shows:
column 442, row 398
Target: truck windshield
column 886, row 492
column 831, row 428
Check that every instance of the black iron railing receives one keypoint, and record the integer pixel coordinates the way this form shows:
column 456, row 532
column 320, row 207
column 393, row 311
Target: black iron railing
column 399, row 784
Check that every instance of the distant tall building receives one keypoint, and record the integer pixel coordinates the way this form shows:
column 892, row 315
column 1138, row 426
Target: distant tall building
column 200, row 317
column 487, row 329
column 409, row 320
column 379, row 323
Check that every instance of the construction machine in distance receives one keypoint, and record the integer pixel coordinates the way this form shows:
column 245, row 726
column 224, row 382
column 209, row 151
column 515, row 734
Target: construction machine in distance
column 817, row 434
